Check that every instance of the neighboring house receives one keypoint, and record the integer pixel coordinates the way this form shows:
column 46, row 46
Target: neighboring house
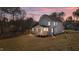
column 51, row 26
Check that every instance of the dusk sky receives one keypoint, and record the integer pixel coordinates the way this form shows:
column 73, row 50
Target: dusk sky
column 36, row 12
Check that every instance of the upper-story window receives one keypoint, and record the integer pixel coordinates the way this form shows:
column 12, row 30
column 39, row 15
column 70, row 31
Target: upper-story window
column 48, row 23
column 55, row 23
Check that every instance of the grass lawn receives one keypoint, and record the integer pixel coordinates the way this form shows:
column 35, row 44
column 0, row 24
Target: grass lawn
column 69, row 41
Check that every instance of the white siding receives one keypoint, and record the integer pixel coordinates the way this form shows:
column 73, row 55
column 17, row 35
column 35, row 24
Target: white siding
column 45, row 29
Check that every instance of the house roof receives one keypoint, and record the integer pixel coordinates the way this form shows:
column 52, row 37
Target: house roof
column 50, row 18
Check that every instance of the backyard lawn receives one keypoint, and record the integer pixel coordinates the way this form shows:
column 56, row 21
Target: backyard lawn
column 68, row 41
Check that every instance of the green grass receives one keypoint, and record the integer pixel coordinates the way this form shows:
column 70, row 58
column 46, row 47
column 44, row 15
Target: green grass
column 69, row 41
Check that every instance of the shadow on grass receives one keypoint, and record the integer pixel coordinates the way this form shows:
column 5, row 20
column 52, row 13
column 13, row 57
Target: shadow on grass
column 11, row 35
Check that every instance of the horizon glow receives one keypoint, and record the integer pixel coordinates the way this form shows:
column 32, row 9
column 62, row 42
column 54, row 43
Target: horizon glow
column 36, row 12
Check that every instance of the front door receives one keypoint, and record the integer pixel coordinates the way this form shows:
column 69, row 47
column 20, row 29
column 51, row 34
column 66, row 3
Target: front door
column 50, row 32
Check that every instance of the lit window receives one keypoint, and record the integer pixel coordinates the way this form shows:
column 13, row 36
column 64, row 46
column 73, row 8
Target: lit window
column 45, row 29
column 48, row 23
column 41, row 31
column 32, row 29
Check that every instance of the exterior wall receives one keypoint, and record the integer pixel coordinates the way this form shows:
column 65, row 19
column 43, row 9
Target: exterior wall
column 51, row 28
column 45, row 21
column 56, row 28
column 59, row 28
column 39, row 30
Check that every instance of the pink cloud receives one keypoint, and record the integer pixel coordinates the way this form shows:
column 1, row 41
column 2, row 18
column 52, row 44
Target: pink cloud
column 68, row 11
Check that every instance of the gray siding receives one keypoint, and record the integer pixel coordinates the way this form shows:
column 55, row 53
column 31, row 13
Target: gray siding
column 44, row 21
column 59, row 28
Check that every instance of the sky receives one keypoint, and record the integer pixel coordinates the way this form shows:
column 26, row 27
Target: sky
column 37, row 12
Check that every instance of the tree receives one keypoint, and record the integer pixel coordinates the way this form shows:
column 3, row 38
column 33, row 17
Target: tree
column 23, row 14
column 11, row 10
column 69, row 23
column 76, row 14
column 61, row 16
column 53, row 15
column 2, row 13
column 70, row 18
column 57, row 16
column 29, row 23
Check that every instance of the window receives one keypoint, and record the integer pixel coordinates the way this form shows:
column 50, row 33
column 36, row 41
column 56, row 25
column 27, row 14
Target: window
column 52, row 30
column 32, row 29
column 48, row 23
column 45, row 29
column 41, row 31
column 55, row 23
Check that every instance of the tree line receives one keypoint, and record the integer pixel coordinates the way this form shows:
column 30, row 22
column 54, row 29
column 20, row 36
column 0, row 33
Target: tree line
column 17, row 23
column 72, row 23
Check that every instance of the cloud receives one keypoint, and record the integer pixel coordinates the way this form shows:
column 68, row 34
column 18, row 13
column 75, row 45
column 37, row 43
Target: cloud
column 37, row 11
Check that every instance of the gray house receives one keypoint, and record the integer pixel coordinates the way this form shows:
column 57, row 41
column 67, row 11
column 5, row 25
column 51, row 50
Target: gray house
column 52, row 26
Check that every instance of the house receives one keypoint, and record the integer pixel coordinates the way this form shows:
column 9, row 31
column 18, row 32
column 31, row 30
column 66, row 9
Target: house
column 40, row 30
column 51, row 26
